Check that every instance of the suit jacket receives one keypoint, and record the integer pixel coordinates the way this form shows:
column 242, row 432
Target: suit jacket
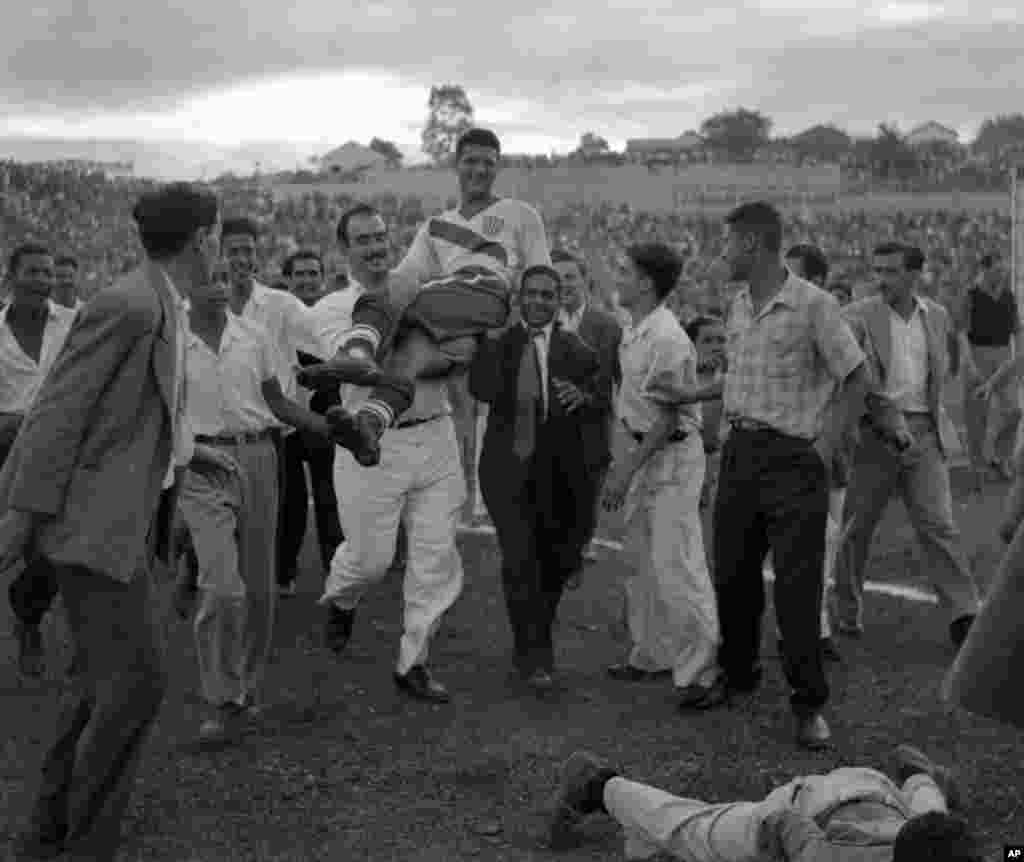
column 869, row 320
column 94, row 449
column 601, row 332
column 559, row 467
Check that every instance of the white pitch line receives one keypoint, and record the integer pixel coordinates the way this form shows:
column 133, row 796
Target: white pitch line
column 898, row 591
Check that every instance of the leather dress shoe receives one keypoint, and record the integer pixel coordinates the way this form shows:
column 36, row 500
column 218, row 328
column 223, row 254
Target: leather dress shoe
column 626, row 672
column 813, row 732
column 338, row 628
column 418, row 683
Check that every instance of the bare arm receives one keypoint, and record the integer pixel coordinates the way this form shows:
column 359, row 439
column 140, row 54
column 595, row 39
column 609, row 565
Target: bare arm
column 289, row 412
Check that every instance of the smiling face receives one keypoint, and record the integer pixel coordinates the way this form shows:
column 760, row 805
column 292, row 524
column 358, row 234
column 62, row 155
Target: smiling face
column 32, row 282
column 539, row 300
column 368, row 248
column 477, row 169
column 306, row 281
column 239, row 251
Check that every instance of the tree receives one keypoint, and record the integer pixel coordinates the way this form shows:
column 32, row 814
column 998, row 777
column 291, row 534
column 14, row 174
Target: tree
column 738, row 134
column 389, row 150
column 999, row 134
column 891, row 156
column 824, row 143
column 450, row 113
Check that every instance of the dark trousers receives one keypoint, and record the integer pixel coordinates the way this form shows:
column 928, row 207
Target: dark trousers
column 772, row 494
column 469, row 302
column 536, row 560
column 105, row 714
column 32, row 592
column 297, row 450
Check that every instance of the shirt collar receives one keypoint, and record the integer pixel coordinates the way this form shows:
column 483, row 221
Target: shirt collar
column 230, row 334
column 544, row 330
column 785, row 295
column 51, row 310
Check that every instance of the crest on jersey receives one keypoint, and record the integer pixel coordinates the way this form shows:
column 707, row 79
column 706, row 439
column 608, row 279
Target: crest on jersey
column 492, row 225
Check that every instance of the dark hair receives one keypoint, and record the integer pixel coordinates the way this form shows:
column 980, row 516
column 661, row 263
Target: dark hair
column 26, row 249
column 288, row 267
column 936, row 837
column 560, row 255
column 240, row 226
column 540, row 269
column 913, row 257
column 696, row 326
column 813, row 259
column 66, row 260
column 477, row 138
column 169, row 217
column 659, row 263
column 759, row 219
column 348, row 215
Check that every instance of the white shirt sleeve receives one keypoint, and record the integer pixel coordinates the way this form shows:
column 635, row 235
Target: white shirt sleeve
column 533, row 240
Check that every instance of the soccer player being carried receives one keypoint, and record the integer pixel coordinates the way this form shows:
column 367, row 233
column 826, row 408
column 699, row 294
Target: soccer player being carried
column 453, row 286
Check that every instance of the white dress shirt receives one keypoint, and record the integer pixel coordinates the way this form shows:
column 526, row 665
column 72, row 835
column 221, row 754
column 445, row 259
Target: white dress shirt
column 907, row 381
column 542, row 340
column 225, row 387
column 333, row 316
column 21, row 375
column 659, row 365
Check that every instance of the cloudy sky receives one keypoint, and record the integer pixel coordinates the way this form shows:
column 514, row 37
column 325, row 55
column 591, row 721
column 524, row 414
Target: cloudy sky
column 315, row 73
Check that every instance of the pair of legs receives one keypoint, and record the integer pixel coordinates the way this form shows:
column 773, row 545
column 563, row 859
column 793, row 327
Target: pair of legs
column 671, row 608
column 298, row 450
column 990, row 423
column 921, row 477
column 104, row 718
column 772, row 495
column 232, row 516
column 419, row 482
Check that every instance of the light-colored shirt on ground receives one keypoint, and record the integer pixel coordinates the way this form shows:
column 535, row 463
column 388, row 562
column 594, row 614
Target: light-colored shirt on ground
column 786, row 361
column 21, row 375
column 659, row 364
column 907, row 381
column 333, row 315
column 225, row 388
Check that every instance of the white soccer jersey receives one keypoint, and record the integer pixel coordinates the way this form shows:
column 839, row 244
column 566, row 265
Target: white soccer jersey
column 448, row 242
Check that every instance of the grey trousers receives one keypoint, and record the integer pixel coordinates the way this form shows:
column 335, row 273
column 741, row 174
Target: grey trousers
column 921, row 477
column 105, row 713
column 232, row 516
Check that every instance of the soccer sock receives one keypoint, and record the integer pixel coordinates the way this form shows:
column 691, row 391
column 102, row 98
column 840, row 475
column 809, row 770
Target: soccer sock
column 388, row 401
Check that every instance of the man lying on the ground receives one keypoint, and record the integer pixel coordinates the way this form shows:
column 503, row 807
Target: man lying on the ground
column 849, row 815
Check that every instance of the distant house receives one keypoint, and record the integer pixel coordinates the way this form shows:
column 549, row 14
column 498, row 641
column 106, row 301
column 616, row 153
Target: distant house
column 351, row 158
column 678, row 149
column 931, row 133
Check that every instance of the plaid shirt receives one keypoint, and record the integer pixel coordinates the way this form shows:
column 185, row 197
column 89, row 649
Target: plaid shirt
column 785, row 362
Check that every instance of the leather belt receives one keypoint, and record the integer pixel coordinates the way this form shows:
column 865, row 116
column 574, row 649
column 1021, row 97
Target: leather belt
column 412, row 423
column 677, row 436
column 235, row 439
column 742, row 424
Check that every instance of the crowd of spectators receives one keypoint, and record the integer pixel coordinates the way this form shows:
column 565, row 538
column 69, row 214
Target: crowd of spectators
column 88, row 215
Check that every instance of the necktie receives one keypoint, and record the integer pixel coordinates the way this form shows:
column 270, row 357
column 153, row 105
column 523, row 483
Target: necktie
column 528, row 398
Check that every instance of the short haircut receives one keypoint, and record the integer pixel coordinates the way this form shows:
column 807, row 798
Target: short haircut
column 66, row 260
column 240, row 226
column 936, row 837
column 815, row 264
column 660, row 263
column 362, row 209
column 540, row 269
column 169, row 217
column 759, row 219
column 560, row 255
column 26, row 249
column 288, row 267
column 477, row 138
column 697, row 325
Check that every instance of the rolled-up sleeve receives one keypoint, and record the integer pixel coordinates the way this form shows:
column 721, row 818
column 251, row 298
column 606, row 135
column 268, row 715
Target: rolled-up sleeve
column 671, row 373
column 833, row 338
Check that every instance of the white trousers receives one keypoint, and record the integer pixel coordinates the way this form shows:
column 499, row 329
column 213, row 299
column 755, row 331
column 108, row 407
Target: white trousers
column 419, row 482
column 233, row 521
column 670, row 601
column 694, row 831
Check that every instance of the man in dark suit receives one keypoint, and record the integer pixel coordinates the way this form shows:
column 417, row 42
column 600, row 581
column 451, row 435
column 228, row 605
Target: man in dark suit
column 533, row 465
column 89, row 486
column 601, row 332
